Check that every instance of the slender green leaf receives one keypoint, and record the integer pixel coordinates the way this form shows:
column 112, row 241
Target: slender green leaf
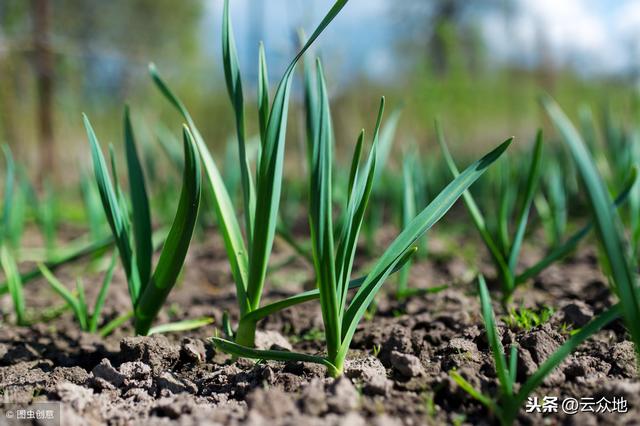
column 408, row 213
column 186, row 325
column 468, row 388
column 234, row 87
column 14, row 284
column 263, row 93
column 387, row 136
column 269, row 180
column 108, row 328
column 97, row 307
column 607, row 221
column 310, row 99
column 563, row 351
column 307, row 296
column 572, row 242
column 7, row 201
column 140, row 205
column 111, row 205
column 493, row 338
column 513, row 363
column 474, row 211
column 418, row 226
column 67, row 295
column 530, row 191
column 357, row 203
column 175, row 247
column 243, row 351
column 82, row 304
column 234, row 244
column 321, row 221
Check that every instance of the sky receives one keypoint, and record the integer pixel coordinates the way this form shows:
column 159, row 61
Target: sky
column 594, row 36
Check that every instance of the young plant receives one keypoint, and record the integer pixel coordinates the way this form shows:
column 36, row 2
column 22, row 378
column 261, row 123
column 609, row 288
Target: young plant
column 410, row 196
column 506, row 404
column 619, row 266
column 408, row 213
column 89, row 249
column 505, row 251
column 77, row 302
column 7, row 261
column 333, row 262
column 551, row 203
column 148, row 291
column 92, row 207
column 261, row 196
column 526, row 319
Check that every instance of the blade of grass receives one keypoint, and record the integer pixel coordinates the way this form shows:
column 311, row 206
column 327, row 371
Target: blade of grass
column 408, row 213
column 513, row 363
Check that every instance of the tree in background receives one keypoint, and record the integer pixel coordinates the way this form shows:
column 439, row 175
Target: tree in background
column 442, row 27
column 65, row 56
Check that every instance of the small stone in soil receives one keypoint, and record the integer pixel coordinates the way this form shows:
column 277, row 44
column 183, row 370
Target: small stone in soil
column 77, row 396
column 137, row 374
column 399, row 340
column 168, row 382
column 156, row 351
column 343, row 396
column 313, row 399
column 370, row 371
column 192, row 351
column 108, row 374
column 271, row 403
column 576, row 313
column 272, row 340
column 406, row 364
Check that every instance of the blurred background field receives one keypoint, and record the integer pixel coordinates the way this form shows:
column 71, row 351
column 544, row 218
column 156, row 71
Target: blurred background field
column 480, row 66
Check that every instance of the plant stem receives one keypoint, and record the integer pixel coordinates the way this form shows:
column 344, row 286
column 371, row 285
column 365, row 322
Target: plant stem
column 246, row 333
column 337, row 365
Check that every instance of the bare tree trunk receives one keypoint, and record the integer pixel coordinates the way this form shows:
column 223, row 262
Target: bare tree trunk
column 445, row 15
column 41, row 16
column 7, row 96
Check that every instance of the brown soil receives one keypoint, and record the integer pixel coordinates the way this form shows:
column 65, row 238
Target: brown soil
column 397, row 372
